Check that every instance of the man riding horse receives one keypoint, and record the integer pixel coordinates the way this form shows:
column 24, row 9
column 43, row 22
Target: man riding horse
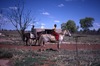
column 55, row 33
column 33, row 32
column 42, row 37
column 29, row 37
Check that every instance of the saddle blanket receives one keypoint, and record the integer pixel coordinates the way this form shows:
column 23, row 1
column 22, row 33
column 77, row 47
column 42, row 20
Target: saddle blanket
column 32, row 35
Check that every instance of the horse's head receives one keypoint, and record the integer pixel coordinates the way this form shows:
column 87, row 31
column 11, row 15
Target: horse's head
column 66, row 33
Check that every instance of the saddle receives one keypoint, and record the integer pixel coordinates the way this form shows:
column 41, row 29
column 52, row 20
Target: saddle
column 52, row 38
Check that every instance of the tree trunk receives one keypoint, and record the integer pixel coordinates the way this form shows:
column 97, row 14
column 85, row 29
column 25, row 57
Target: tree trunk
column 22, row 32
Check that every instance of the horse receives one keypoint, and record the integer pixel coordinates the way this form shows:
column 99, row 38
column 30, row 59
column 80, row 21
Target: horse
column 29, row 37
column 48, row 38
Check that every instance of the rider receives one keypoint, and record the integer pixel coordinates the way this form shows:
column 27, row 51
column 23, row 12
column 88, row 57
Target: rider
column 55, row 33
column 33, row 31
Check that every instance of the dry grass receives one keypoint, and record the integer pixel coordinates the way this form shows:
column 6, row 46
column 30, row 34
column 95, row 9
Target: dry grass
column 85, row 39
column 54, row 58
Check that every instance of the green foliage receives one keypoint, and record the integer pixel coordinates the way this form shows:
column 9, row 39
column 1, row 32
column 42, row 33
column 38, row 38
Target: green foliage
column 71, row 26
column 5, row 54
column 28, row 61
column 86, row 23
column 63, row 26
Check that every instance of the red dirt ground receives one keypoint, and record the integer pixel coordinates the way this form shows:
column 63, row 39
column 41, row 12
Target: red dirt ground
column 54, row 46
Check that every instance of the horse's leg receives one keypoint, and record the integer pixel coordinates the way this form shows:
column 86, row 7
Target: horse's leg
column 41, row 39
column 43, row 43
column 39, row 42
column 36, row 41
column 30, row 41
column 60, row 41
column 45, row 39
column 26, row 41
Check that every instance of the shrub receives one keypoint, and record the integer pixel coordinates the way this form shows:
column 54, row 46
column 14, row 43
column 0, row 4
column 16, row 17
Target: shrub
column 5, row 54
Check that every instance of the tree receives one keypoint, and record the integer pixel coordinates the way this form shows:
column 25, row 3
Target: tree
column 71, row 26
column 86, row 23
column 2, row 20
column 77, row 28
column 98, row 31
column 19, row 18
column 63, row 26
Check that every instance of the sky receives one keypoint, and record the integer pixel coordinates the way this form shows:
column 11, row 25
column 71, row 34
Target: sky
column 50, row 12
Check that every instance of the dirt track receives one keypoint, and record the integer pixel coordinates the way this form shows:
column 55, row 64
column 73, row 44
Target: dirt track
column 54, row 46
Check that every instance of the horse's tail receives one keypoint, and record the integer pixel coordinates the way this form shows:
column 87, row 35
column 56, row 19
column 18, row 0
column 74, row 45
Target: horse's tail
column 23, row 38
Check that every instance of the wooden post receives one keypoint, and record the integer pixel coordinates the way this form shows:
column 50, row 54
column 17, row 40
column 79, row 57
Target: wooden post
column 76, row 40
column 58, row 45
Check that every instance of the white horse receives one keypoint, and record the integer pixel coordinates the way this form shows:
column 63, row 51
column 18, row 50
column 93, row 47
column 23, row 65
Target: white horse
column 48, row 38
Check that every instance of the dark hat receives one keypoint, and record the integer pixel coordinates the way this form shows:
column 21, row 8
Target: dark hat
column 55, row 25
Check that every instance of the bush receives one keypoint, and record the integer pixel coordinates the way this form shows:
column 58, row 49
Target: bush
column 5, row 54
